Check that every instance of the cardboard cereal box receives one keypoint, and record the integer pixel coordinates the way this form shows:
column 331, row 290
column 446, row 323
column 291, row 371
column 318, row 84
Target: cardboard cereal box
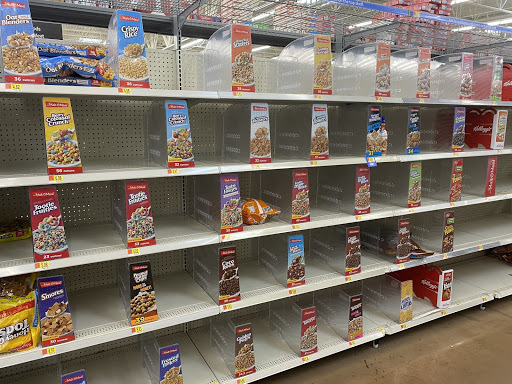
column 142, row 294
column 403, row 248
column 374, row 138
column 406, row 301
column 383, row 71
column 499, row 129
column 77, row 377
column 300, row 197
column 48, row 235
column 241, row 59
column 296, row 274
column 62, row 153
column 353, row 251
column 456, row 181
column 355, row 318
column 448, row 232
column 413, row 132
column 490, row 179
column 319, row 132
column 459, row 125
column 362, row 192
column 414, row 192
column 229, row 282
column 308, row 332
column 322, row 84
column 260, row 147
column 179, row 136
column 170, row 364
column 466, row 77
column 245, row 363
column 231, row 211
column 423, row 87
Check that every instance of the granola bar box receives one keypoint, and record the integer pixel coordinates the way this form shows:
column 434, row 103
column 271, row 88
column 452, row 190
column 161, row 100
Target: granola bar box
column 77, row 377
column 362, row 192
column 20, row 60
column 54, row 313
column 260, row 147
column 231, row 211
column 448, row 232
column 132, row 214
column 229, row 283
column 322, row 84
column 296, row 273
column 170, row 365
column 459, row 125
column 241, row 59
column 319, row 132
column 300, row 197
column 414, row 193
column 62, row 153
column 48, row 235
column 142, row 294
column 126, row 50
column 308, row 332
column 244, row 351
column 179, row 137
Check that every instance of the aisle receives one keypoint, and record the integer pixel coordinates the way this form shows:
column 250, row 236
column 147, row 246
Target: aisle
column 470, row 347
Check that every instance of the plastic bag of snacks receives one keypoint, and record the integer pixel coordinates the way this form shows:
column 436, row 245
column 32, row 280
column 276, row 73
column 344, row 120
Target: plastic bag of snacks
column 67, row 65
column 52, row 48
column 503, row 253
column 257, row 211
column 19, row 322
column 15, row 230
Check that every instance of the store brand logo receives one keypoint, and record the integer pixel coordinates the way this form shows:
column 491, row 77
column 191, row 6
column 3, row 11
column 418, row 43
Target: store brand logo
column 12, row 4
column 129, row 18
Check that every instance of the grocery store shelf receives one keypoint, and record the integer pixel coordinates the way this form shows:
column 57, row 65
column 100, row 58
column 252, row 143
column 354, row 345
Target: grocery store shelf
column 448, row 155
column 99, row 315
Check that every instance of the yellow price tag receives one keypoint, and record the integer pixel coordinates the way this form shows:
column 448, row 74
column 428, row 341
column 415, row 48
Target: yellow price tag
column 292, row 291
column 480, row 247
column 452, row 204
column 137, row 329
column 56, row 178
column 484, row 299
column 403, row 326
column 305, row 359
column 227, row 307
column 226, row 237
column 319, row 97
column 410, row 151
column 42, row 265
column 238, row 94
column 295, row 226
column 380, row 329
column 411, row 210
column 173, row 171
column 243, row 380
column 49, row 351
column 125, row 91
column 13, row 87
column 401, row 266
column 359, row 217
column 445, row 256
column 500, row 150
column 443, row 313
column 421, row 100
column 134, row 251
column 255, row 166
column 314, row 162
column 456, row 154
column 352, row 343
column 494, row 102
column 378, row 98
column 348, row 278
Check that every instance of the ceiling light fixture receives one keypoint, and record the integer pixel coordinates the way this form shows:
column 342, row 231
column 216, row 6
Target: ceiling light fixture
column 363, row 24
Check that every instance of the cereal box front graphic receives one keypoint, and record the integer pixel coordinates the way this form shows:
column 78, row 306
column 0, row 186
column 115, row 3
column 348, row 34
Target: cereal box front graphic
column 448, row 232
column 54, row 313
column 230, row 211
column 308, row 332
column 170, row 365
column 241, row 58
column 353, row 251
column 497, row 78
column 490, row 180
column 456, row 181
column 62, row 153
column 413, row 132
column 444, row 297
column 245, row 363
column 319, row 132
column 423, row 89
column 142, row 294
column 48, row 235
column 374, row 133
column 459, row 127
column 322, row 84
column 362, row 200
column 406, row 301
column 139, row 218
column 77, row 377
column 300, row 197
column 355, row 318
column 499, row 129
column 296, row 274
column 383, row 75
column 403, row 247
column 19, row 52
column 466, row 77
column 179, row 137
column 414, row 194
column 229, row 284
column 260, row 151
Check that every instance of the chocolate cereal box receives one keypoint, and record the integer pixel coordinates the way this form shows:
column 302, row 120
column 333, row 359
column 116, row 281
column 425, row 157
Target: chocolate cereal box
column 229, row 283
column 62, row 153
column 77, row 377
column 355, row 318
column 142, row 294
column 296, row 274
column 300, row 197
column 448, row 232
column 170, row 365
column 353, row 251
column 459, row 126
column 362, row 192
column 48, row 235
column 231, row 212
column 56, row 322
column 245, row 363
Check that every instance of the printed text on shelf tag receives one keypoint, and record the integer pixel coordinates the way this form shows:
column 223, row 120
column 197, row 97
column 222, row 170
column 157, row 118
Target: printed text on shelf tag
column 292, row 291
column 56, row 178
column 227, row 307
column 173, row 171
column 238, row 94
column 243, row 380
column 125, row 91
column 134, row 251
column 42, row 265
column 13, row 87
column 352, row 343
column 49, row 351
column 295, row 226
column 370, row 160
column 305, row 359
column 137, row 329
column 226, row 237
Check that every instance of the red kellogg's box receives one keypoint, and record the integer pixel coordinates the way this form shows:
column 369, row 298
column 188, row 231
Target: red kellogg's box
column 48, row 235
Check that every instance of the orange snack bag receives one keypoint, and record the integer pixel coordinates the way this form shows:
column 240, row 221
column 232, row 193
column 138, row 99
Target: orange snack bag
column 256, row 211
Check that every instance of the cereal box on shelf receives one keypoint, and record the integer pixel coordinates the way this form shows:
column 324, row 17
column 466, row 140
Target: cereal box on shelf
column 466, row 77
column 423, row 87
column 414, row 194
column 308, row 332
column 406, row 301
column 362, row 192
column 77, row 377
column 355, row 318
column 322, row 84
column 448, row 232
column 383, row 68
column 456, row 181
column 319, row 132
column 126, row 50
column 374, row 138
column 54, row 313
column 241, row 59
column 229, row 283
column 179, row 137
column 459, row 125
column 300, row 197
column 170, row 365
column 353, row 251
column 403, row 247
column 245, row 363
column 260, row 147
column 499, row 129
column 413, row 131
column 296, row 274
column 62, row 153
column 142, row 294
column 434, row 284
column 231, row 211
column 48, row 235
column 20, row 60
column 490, row 179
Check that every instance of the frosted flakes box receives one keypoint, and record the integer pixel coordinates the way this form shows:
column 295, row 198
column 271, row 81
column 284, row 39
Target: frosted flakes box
column 62, row 153
column 126, row 50
column 48, row 235
column 319, row 132
column 19, row 54
column 231, row 211
column 179, row 136
column 170, row 365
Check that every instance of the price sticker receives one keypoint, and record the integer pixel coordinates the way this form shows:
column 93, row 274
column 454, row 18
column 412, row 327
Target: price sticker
column 371, row 161
column 500, row 151
column 484, row 299
column 352, row 343
column 452, row 204
column 421, row 100
column 56, row 178
column 173, row 171
column 410, row 151
column 379, row 329
column 292, row 291
column 480, row 247
column 137, row 329
column 445, row 256
column 238, row 94
column 403, row 326
column 134, row 251
column 443, row 313
column 13, row 87
column 243, row 380
column 295, row 226
column 226, row 237
column 255, row 166
column 227, row 307
column 319, row 97
column 42, row 265
column 494, row 102
column 378, row 98
column 401, row 266
column 314, row 162
column 456, row 154
column 359, row 217
column 411, row 210
column 125, row 91
column 348, row 278
column 49, row 351
column 488, row 198
column 305, row 359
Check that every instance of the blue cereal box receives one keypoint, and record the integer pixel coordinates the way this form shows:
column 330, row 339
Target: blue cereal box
column 19, row 53
column 77, row 377
column 126, row 49
column 179, row 138
column 296, row 274
column 170, row 365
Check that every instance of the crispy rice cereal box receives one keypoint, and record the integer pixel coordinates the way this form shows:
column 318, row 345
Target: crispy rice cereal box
column 322, row 84
column 179, row 137
column 48, row 235
column 245, row 363
column 308, row 332
column 319, row 133
column 77, row 377
column 19, row 53
column 62, row 153
column 229, row 283
column 19, row 321
column 142, row 294
column 296, row 274
column 170, row 365
column 139, row 217
column 56, row 322
column 230, row 211
column 300, row 197
column 126, row 50
column 406, row 301
column 241, row 58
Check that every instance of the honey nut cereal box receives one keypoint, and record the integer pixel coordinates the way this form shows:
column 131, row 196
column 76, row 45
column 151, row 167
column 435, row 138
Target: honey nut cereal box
column 139, row 217
column 142, row 294
column 308, row 332
column 319, row 132
column 179, row 136
column 77, row 377
column 322, row 82
column 62, row 153
column 242, row 67
column 54, row 313
column 20, row 58
column 300, row 197
column 230, row 209
column 48, row 235
column 170, row 364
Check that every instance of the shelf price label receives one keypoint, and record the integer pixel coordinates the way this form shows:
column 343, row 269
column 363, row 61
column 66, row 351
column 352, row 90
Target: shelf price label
column 319, row 97
column 421, row 100
column 314, row 162
column 378, row 98
column 348, row 278
column 352, row 343
column 484, row 299
column 137, row 329
column 445, row 256
column 359, row 217
column 443, row 313
column 371, row 161
column 401, row 266
column 305, row 359
column 480, row 247
column 255, row 166
column 227, row 307
column 42, row 265
column 411, row 210
column 494, row 102
column 173, row 171
column 243, row 380
column 292, row 291
column 500, row 151
column 134, row 251
column 13, row 87
column 456, row 154
column 238, row 94
column 49, row 351
column 55, row 178
column 295, row 226
column 403, row 326
column 452, row 204
column 226, row 237
column 125, row 91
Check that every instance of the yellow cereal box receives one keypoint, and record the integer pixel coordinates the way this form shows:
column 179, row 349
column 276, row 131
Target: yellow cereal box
column 322, row 84
column 62, row 153
column 406, row 301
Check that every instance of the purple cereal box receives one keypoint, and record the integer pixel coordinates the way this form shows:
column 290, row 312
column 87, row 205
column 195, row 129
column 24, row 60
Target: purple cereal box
column 230, row 211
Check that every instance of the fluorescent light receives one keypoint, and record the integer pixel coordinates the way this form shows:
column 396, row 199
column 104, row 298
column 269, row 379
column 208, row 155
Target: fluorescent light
column 462, row 29
column 261, row 48
column 363, row 24
column 502, row 21
column 192, row 43
column 458, row 1
column 262, row 16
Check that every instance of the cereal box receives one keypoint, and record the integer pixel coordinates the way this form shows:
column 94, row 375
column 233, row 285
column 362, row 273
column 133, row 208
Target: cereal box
column 423, row 87
column 245, row 363
column 499, row 129
column 355, row 318
column 459, row 125
column 405, row 301
column 229, row 284
column 466, row 77
column 19, row 52
column 126, row 51
column 308, row 332
column 403, row 247
column 56, row 322
column 497, row 78
column 414, row 194
column 413, row 132
column 77, row 377
column 444, row 293
column 62, row 153
column 374, row 139
column 323, row 67
column 300, row 197
column 241, row 58
column 170, row 365
column 260, row 151
column 353, row 251
column 362, row 200
column 231, row 211
column 319, row 132
column 456, row 181
column 383, row 69
column 179, row 137
column 490, row 179
column 296, row 274
column 48, row 235
column 142, row 294
column 448, row 232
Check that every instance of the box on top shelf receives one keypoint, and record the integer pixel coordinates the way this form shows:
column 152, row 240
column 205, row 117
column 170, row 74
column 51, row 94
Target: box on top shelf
column 410, row 73
column 452, row 76
column 20, row 59
column 487, row 78
column 228, row 60
column 363, row 71
column 126, row 49
column 304, row 66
